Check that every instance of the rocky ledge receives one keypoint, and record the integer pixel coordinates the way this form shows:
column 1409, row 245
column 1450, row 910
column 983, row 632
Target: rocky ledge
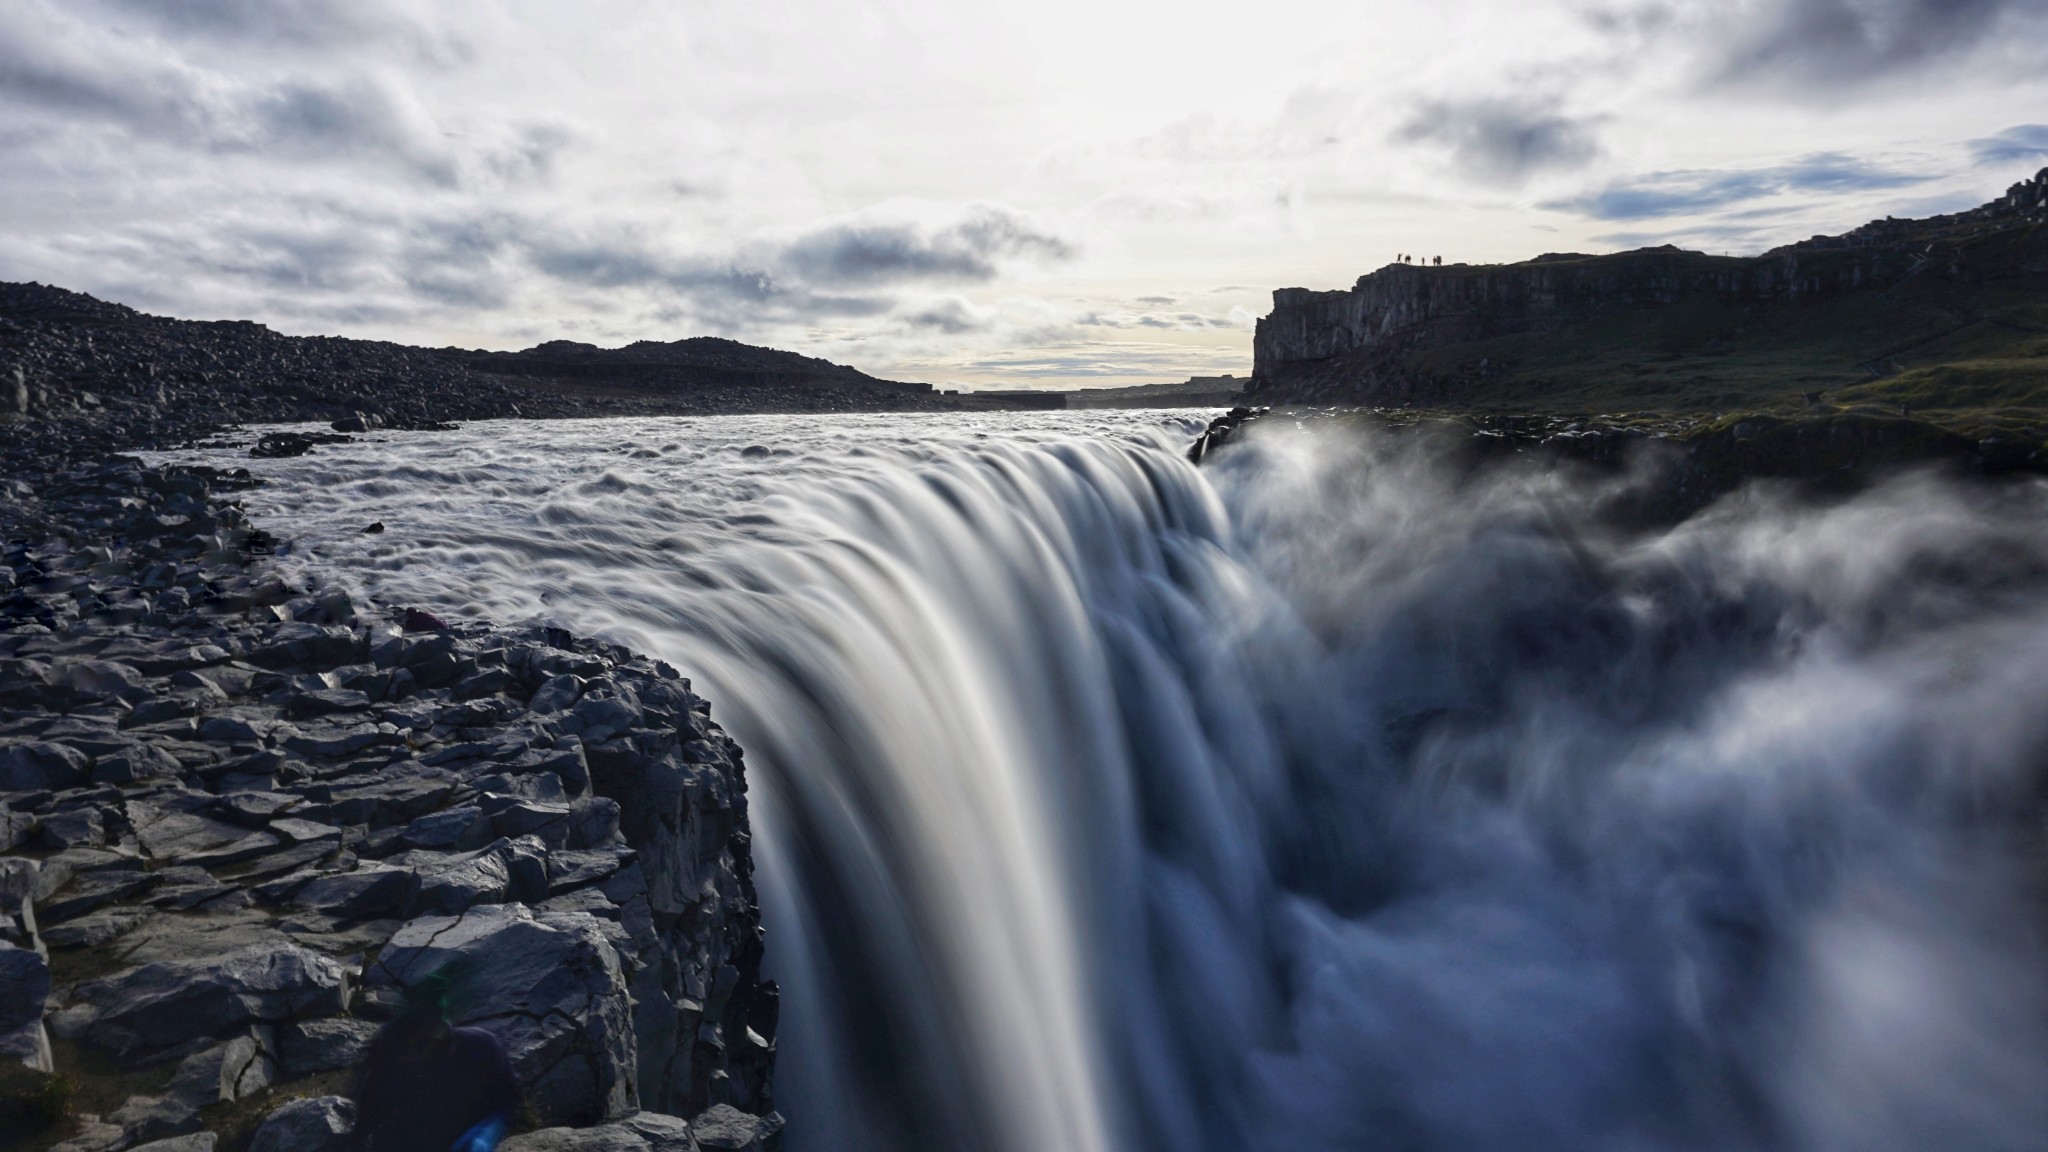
column 237, row 818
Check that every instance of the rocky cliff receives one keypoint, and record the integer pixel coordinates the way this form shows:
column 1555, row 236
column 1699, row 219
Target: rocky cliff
column 238, row 820
column 1357, row 343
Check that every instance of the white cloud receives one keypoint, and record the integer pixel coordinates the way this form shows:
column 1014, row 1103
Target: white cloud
column 927, row 188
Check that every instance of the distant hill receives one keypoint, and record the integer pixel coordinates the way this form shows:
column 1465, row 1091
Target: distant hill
column 1194, row 392
column 703, row 363
column 1944, row 314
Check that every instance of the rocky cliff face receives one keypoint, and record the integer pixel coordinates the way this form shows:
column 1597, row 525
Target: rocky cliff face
column 1353, row 340
column 238, row 821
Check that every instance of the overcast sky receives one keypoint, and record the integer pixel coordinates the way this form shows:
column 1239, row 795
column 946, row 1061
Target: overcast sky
column 1052, row 193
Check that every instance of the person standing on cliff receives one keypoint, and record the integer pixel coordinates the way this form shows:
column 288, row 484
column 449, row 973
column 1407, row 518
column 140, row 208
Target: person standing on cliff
column 431, row 1087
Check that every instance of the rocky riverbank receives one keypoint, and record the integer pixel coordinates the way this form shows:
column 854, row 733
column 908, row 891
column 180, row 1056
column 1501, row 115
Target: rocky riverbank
column 239, row 817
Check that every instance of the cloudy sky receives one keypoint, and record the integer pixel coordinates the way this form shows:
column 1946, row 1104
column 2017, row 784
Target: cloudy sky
column 991, row 192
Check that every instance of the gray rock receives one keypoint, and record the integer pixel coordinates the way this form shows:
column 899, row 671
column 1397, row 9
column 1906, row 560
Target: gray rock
column 22, row 881
column 76, row 828
column 571, row 765
column 14, row 828
column 559, row 693
column 295, row 831
column 310, row 1046
column 589, row 900
column 173, row 835
column 165, row 1004
column 325, row 701
column 100, row 680
column 358, row 895
column 38, row 765
column 90, row 890
column 550, row 986
column 460, row 828
column 634, row 1135
column 196, row 1142
column 593, row 820
column 155, row 1117
column 575, row 868
column 228, row 1071
column 254, row 808
column 504, row 870
column 727, row 1129
column 550, row 822
column 231, row 730
column 306, row 1125
column 96, row 928
column 132, row 763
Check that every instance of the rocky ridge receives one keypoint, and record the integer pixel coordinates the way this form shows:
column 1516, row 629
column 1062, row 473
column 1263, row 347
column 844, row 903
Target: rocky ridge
column 237, row 818
column 1353, row 345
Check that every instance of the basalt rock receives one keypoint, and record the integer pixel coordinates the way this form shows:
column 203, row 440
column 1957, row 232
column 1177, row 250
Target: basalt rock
column 1359, row 345
column 243, row 808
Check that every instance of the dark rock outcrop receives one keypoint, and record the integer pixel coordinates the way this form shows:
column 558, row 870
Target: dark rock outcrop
column 1351, row 345
column 240, row 817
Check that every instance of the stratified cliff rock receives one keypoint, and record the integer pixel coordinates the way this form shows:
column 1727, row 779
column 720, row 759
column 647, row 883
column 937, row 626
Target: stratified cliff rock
column 238, row 821
column 1353, row 344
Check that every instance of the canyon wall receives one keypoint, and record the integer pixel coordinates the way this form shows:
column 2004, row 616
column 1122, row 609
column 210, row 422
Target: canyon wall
column 1353, row 339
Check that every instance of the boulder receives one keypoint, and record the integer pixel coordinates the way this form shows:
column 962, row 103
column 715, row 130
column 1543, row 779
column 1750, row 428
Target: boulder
column 133, row 763
column 503, row 870
column 559, row 693
column 24, row 985
column 550, row 986
column 727, row 1129
column 313, row 1125
column 76, row 828
column 96, row 928
column 362, row 894
column 642, row 1132
column 100, row 680
column 40, row 765
column 163, row 1005
column 310, row 1046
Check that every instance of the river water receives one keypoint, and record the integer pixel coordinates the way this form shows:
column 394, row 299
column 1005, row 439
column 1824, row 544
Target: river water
column 1319, row 798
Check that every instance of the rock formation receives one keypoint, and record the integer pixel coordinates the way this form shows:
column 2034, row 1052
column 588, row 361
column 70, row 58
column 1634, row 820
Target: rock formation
column 239, row 818
column 1350, row 345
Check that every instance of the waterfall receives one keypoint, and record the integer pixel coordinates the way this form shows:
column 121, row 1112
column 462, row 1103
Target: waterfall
column 1326, row 797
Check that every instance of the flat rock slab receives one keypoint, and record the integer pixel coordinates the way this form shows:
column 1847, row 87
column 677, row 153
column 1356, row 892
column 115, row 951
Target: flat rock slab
column 161, row 1006
column 170, row 835
column 96, row 928
column 550, row 986
column 313, row 1125
column 642, row 1132
column 309, row 1046
column 724, row 1128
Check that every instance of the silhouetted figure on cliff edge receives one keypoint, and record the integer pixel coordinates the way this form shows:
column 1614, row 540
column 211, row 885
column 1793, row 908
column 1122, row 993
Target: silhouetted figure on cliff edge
column 430, row 1087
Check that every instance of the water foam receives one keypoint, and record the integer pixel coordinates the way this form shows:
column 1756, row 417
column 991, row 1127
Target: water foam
column 1323, row 798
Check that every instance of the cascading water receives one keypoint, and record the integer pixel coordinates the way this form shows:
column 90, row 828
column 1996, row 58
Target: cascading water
column 1329, row 797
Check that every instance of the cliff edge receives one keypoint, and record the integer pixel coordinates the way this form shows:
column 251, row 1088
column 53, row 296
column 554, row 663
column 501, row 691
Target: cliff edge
column 1665, row 328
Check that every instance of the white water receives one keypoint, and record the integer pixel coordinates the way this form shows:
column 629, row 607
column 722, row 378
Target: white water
column 1318, row 799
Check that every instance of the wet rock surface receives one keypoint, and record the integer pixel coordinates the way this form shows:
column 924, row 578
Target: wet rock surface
column 239, row 817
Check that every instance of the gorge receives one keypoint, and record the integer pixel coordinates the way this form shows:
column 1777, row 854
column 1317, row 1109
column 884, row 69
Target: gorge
column 1331, row 795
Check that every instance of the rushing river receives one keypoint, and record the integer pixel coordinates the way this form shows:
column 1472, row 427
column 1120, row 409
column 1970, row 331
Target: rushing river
column 1315, row 799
